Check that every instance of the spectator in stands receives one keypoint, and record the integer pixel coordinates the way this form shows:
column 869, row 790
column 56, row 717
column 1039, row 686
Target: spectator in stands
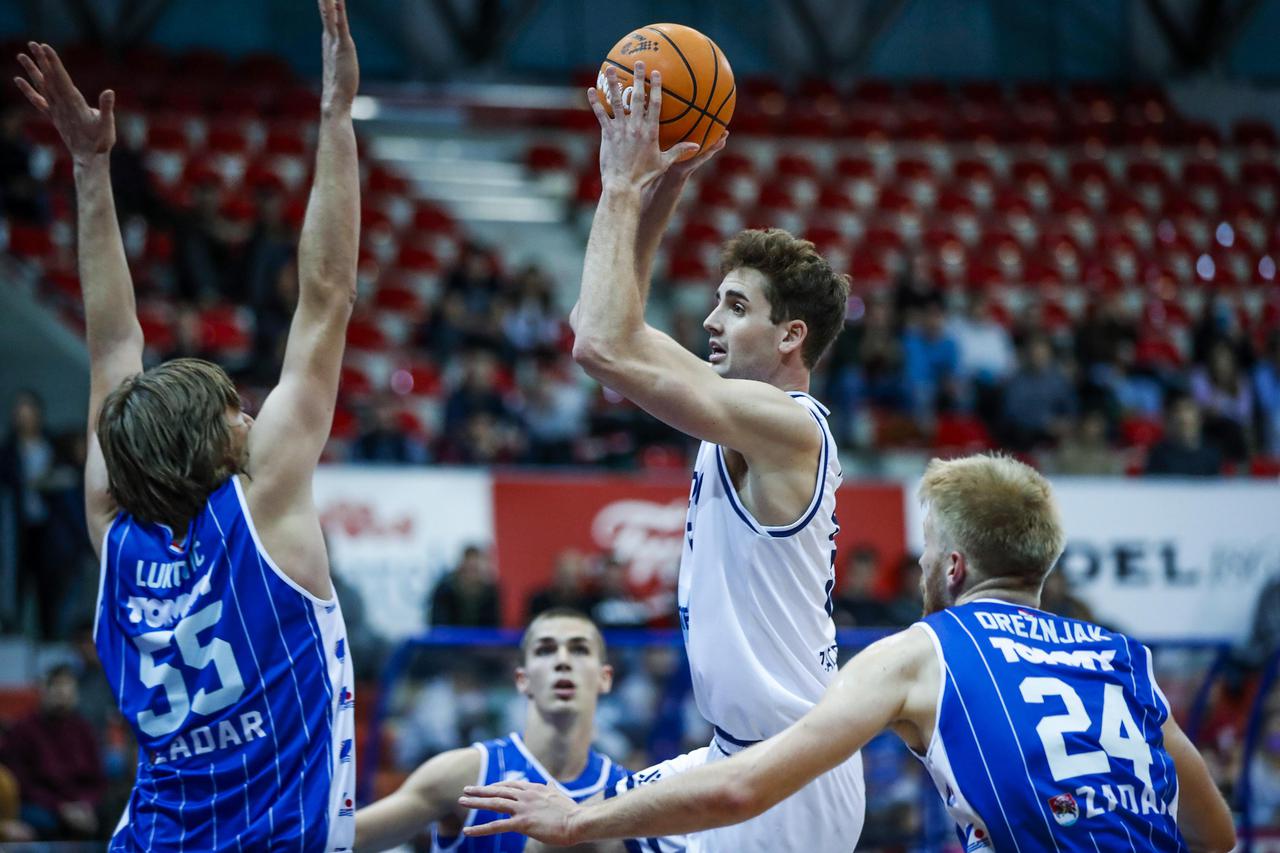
column 1039, row 400
column 54, row 756
column 444, row 328
column 1108, row 325
column 188, row 335
column 131, row 183
column 467, row 596
column 21, row 195
column 270, row 249
column 531, row 322
column 859, row 605
column 383, row 441
column 930, row 356
column 613, row 604
column 1124, row 385
column 1086, row 450
column 27, row 467
column 272, row 315
column 202, row 246
column 1184, row 451
column 1266, row 387
column 915, row 292
column 1226, row 400
column 907, row 605
column 566, row 588
column 474, row 277
column 476, row 393
column 554, row 410
column 985, row 349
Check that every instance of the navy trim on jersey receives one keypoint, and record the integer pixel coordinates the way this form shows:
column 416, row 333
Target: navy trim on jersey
column 785, row 530
column 721, row 733
column 826, row 413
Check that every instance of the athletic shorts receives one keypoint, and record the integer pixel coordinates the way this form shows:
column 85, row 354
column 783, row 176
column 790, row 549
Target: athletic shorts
column 824, row 816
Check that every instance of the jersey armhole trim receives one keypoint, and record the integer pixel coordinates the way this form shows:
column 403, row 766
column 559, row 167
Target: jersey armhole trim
column 784, row 530
column 935, row 737
column 266, row 558
column 456, row 842
column 102, row 573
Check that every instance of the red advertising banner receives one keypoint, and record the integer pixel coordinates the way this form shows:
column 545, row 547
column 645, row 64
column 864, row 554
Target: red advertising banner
column 640, row 520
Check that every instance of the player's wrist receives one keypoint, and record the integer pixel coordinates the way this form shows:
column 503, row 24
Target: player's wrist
column 90, row 164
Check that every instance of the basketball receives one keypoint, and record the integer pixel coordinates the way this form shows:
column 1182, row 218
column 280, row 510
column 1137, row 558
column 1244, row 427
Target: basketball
column 698, row 93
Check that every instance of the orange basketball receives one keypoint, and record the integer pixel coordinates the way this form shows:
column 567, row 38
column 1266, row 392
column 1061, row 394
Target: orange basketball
column 698, row 94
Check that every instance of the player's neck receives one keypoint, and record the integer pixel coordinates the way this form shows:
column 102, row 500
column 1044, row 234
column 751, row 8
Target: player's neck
column 560, row 745
column 994, row 589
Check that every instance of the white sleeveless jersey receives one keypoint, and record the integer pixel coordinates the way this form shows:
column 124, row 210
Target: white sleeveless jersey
column 755, row 601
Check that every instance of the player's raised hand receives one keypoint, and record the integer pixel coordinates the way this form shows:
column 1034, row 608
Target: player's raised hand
column 87, row 132
column 341, row 76
column 629, row 150
column 537, row 811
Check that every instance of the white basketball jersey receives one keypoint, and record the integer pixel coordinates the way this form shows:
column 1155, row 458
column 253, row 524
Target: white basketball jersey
column 755, row 601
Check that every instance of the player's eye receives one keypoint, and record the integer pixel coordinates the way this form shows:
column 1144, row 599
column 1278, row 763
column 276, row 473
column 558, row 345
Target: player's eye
column 738, row 309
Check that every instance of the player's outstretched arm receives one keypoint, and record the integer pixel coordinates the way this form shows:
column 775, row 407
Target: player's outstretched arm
column 1203, row 815
column 888, row 684
column 613, row 342
column 112, row 332
column 294, row 423
column 429, row 794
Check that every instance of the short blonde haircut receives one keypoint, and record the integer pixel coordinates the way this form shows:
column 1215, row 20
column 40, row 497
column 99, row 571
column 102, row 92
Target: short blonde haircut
column 996, row 511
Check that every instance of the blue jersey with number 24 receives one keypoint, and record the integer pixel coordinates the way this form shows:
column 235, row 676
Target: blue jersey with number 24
column 1049, row 734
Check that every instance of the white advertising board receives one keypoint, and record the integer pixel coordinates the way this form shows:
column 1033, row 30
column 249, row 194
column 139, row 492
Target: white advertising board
column 393, row 532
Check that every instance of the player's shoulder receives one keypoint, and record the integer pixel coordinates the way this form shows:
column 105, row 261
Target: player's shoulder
column 450, row 771
column 909, row 652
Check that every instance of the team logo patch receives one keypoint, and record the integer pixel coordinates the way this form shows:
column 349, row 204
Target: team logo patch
column 344, row 752
column 346, row 699
column 348, row 808
column 1064, row 808
column 977, row 839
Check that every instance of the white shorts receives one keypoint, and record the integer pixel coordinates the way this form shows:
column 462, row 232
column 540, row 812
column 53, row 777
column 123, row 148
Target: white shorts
column 824, row 816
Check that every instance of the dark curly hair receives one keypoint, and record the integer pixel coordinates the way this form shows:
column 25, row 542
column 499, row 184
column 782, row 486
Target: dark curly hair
column 800, row 284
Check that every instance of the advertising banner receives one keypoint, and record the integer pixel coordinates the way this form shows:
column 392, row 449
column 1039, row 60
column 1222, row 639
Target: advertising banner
column 641, row 521
column 392, row 532
column 1166, row 560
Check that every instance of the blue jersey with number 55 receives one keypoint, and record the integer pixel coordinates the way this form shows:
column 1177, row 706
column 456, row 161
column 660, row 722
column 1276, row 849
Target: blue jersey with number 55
column 237, row 683
column 1048, row 735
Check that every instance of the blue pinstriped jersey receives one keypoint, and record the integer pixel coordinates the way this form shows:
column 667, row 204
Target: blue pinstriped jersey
column 507, row 759
column 1048, row 735
column 237, row 683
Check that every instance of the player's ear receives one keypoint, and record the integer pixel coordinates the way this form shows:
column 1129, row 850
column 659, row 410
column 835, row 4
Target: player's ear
column 522, row 681
column 957, row 571
column 606, row 679
column 793, row 334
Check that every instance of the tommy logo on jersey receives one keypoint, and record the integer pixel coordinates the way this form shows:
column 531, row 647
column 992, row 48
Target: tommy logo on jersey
column 1064, row 808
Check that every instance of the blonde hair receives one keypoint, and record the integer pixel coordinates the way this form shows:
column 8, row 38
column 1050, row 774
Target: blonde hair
column 996, row 511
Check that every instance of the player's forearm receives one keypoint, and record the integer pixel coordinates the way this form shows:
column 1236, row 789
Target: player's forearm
column 610, row 307
column 329, row 246
column 653, row 224
column 110, row 312
column 704, row 798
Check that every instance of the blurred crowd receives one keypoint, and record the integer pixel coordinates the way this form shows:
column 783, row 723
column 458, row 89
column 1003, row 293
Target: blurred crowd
column 957, row 372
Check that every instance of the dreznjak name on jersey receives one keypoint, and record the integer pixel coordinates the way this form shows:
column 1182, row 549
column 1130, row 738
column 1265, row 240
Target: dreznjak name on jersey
column 1042, row 628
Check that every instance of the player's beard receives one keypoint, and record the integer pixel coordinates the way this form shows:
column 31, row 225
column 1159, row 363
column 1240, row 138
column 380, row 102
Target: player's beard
column 933, row 589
